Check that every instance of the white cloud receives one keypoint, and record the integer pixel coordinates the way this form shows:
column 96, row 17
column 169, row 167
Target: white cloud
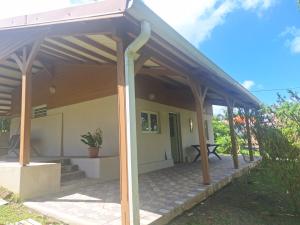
column 248, row 84
column 292, row 35
column 196, row 19
column 256, row 4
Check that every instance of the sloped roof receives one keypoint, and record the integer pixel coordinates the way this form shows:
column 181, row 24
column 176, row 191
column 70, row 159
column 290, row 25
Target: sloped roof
column 70, row 48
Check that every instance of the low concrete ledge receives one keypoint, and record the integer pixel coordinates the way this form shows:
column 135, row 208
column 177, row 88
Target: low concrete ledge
column 203, row 194
column 34, row 180
column 102, row 168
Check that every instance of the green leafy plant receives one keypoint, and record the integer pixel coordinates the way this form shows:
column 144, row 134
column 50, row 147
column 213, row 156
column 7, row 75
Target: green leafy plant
column 277, row 129
column 222, row 135
column 4, row 125
column 93, row 140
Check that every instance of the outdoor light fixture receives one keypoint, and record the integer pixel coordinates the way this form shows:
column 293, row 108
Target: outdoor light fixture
column 191, row 125
column 52, row 89
column 151, row 96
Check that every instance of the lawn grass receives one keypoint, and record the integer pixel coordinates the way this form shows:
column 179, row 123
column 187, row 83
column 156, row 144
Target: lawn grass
column 15, row 211
column 249, row 200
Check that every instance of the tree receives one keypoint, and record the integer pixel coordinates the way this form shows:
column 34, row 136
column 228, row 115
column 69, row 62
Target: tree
column 222, row 134
column 277, row 128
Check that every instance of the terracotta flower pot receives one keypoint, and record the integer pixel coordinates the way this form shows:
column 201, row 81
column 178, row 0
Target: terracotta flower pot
column 93, row 152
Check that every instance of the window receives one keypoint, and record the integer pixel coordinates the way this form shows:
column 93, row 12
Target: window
column 149, row 122
column 39, row 111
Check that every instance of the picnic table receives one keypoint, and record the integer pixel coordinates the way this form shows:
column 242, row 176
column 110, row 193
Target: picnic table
column 211, row 149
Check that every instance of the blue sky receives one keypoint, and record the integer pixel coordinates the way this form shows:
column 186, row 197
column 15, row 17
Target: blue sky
column 257, row 42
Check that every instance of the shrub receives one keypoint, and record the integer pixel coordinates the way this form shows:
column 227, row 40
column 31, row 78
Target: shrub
column 281, row 163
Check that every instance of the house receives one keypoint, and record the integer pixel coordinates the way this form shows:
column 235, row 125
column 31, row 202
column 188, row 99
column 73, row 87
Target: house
column 113, row 65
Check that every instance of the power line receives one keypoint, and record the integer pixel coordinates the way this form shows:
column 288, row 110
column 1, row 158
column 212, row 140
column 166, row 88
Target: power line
column 276, row 89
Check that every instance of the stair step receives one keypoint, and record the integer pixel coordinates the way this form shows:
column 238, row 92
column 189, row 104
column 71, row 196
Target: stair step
column 69, row 168
column 65, row 162
column 72, row 175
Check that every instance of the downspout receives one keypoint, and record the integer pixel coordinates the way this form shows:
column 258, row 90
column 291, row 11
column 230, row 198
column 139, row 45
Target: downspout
column 131, row 139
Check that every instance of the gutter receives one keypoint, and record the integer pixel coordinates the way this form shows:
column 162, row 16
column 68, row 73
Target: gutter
column 130, row 53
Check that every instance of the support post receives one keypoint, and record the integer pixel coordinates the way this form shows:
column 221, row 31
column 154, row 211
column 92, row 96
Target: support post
column 234, row 150
column 199, row 100
column 122, row 133
column 25, row 127
column 247, row 119
column 25, row 63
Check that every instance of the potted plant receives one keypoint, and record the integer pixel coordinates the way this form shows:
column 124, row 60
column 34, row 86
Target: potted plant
column 94, row 141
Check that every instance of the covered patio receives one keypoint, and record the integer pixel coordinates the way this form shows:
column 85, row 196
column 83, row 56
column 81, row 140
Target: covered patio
column 164, row 194
column 113, row 53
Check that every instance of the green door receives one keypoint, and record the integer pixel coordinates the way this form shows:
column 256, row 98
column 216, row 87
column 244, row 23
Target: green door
column 175, row 136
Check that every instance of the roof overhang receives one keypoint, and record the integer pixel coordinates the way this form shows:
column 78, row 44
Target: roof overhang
column 94, row 11
column 72, row 19
column 139, row 11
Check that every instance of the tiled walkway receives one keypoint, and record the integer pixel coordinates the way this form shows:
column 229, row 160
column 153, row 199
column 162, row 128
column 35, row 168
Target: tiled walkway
column 163, row 195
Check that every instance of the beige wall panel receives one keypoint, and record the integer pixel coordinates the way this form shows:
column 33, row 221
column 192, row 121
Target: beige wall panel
column 87, row 116
column 46, row 134
column 47, row 141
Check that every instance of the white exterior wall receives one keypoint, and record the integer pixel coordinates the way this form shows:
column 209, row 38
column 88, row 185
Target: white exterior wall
column 60, row 131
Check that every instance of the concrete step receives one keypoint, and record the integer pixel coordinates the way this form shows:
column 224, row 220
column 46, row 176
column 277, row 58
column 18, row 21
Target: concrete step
column 69, row 168
column 73, row 175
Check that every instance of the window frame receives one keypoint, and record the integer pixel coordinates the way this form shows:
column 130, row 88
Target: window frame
column 149, row 113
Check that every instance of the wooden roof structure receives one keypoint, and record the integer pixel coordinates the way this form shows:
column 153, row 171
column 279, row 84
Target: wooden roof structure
column 86, row 34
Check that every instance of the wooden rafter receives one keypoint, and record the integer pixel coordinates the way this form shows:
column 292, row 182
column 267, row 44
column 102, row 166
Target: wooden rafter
column 5, row 99
column 34, row 66
column 4, row 105
column 8, row 86
column 141, row 61
column 11, row 78
column 64, row 56
column 68, row 52
column 84, row 50
column 9, row 67
column 97, row 45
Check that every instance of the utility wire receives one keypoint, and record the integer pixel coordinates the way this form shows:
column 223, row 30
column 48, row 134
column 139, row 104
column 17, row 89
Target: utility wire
column 275, row 89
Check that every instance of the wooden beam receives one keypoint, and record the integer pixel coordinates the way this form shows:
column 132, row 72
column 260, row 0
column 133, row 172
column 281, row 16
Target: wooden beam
column 196, row 90
column 122, row 133
column 84, row 50
column 5, row 105
column 8, row 86
column 250, row 147
column 68, row 53
column 9, row 67
column 205, row 90
column 141, row 61
column 97, row 45
column 5, row 99
column 10, row 78
column 60, row 55
column 5, row 92
column 25, row 63
column 234, row 147
column 34, row 66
